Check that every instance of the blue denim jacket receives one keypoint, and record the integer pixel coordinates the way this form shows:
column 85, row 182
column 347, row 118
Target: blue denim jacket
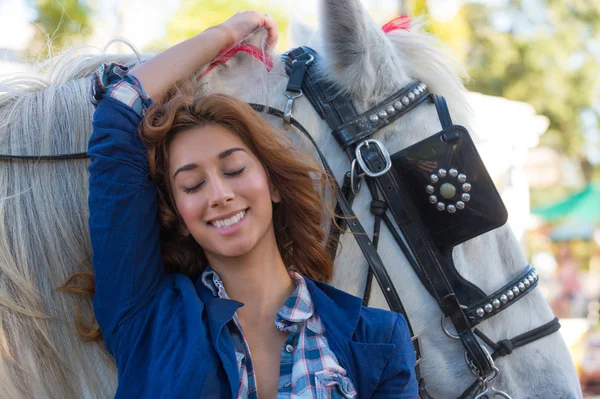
column 167, row 332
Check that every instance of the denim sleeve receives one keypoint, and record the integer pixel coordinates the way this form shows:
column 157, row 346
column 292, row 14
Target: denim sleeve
column 399, row 379
column 123, row 221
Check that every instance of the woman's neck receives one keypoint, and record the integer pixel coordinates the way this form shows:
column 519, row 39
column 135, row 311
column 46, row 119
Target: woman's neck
column 259, row 280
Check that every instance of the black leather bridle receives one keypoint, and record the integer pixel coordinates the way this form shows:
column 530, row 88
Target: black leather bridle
column 430, row 257
column 391, row 180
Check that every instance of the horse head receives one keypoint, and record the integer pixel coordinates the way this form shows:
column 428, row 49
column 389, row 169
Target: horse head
column 368, row 65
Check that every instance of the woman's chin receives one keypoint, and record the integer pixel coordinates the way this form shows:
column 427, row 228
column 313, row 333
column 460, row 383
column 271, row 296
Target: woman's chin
column 234, row 250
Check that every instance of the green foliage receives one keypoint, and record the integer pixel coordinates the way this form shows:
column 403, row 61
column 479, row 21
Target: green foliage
column 543, row 52
column 542, row 55
column 58, row 25
column 455, row 32
column 194, row 16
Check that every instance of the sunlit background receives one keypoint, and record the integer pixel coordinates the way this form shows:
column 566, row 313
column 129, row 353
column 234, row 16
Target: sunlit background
column 534, row 67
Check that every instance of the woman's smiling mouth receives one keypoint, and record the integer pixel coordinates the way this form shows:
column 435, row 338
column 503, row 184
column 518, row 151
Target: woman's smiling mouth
column 231, row 224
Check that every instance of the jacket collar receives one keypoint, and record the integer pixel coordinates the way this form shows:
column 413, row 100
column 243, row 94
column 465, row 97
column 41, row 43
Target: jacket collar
column 338, row 309
column 219, row 312
column 340, row 314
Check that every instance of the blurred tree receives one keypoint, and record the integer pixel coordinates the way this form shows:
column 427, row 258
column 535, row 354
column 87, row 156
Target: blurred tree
column 194, row 16
column 543, row 52
column 57, row 25
column 454, row 32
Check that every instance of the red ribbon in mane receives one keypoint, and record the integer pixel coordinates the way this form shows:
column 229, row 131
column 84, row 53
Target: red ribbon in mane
column 402, row 22
column 254, row 51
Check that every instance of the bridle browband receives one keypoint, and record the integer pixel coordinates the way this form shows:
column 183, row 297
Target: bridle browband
column 460, row 301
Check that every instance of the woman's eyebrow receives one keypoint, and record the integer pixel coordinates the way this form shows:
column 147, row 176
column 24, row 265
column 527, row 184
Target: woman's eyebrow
column 189, row 166
column 222, row 155
column 230, row 151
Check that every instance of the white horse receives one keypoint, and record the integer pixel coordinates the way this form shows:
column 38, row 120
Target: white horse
column 369, row 66
column 44, row 233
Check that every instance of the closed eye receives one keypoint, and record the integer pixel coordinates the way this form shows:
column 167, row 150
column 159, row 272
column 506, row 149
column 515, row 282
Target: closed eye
column 237, row 172
column 192, row 189
column 230, row 174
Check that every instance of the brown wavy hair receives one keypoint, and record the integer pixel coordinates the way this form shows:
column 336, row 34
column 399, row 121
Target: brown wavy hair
column 299, row 219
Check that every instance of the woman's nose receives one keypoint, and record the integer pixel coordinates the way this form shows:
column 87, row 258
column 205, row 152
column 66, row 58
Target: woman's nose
column 220, row 192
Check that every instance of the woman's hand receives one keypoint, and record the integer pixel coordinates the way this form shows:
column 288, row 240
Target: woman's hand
column 244, row 23
column 184, row 59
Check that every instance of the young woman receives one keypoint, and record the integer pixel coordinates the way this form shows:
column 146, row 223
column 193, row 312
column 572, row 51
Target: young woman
column 235, row 304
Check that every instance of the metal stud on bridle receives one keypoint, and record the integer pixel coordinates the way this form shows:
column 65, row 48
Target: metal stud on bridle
column 448, row 190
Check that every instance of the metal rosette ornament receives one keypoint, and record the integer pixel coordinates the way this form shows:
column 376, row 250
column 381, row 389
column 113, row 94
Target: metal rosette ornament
column 449, row 190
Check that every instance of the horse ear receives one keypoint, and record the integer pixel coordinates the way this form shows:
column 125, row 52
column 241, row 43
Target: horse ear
column 361, row 58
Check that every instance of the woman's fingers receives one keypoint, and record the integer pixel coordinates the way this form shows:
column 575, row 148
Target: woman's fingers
column 271, row 26
column 244, row 23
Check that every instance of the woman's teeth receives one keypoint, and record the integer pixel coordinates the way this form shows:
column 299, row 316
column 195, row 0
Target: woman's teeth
column 229, row 222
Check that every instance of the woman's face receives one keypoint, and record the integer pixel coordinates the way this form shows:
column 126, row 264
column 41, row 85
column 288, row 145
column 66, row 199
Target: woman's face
column 221, row 191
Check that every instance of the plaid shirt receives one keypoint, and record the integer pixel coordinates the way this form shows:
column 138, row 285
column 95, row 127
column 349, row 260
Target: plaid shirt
column 113, row 81
column 308, row 368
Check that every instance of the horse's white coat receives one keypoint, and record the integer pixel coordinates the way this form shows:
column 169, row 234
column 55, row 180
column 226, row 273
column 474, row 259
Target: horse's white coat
column 369, row 66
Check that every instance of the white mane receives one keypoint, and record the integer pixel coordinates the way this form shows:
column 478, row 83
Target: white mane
column 44, row 235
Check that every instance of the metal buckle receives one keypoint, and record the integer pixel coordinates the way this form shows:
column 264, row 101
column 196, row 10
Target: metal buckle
column 418, row 349
column 291, row 95
column 287, row 112
column 384, row 152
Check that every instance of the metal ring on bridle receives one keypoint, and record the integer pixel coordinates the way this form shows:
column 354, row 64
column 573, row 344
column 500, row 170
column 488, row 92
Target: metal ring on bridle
column 384, row 152
column 355, row 183
column 446, row 331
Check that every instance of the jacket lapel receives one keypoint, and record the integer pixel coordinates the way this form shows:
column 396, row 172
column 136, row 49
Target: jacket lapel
column 219, row 312
column 340, row 313
column 371, row 360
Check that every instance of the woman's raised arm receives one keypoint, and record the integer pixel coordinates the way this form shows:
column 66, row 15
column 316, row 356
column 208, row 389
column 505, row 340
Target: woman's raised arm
column 123, row 222
column 181, row 61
